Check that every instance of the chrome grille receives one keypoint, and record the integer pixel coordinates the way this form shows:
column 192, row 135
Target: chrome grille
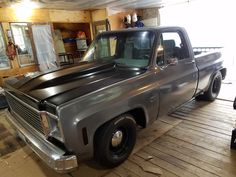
column 25, row 112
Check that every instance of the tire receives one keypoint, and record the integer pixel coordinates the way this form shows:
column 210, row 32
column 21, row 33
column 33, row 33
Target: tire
column 213, row 90
column 114, row 141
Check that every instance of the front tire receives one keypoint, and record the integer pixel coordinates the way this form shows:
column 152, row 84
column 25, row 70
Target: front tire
column 114, row 141
column 214, row 88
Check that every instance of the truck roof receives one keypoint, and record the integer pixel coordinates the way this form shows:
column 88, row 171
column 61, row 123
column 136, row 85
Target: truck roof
column 146, row 29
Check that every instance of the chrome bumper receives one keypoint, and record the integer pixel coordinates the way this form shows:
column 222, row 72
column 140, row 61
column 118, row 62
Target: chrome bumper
column 49, row 153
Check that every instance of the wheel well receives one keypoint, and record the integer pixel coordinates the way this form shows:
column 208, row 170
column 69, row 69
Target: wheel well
column 223, row 73
column 139, row 116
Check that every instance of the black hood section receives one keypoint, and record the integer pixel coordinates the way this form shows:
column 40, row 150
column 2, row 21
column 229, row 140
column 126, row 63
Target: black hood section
column 60, row 86
column 57, row 77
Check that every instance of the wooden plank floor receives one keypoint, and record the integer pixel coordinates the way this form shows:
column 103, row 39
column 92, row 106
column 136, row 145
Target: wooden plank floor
column 193, row 141
column 198, row 146
column 16, row 158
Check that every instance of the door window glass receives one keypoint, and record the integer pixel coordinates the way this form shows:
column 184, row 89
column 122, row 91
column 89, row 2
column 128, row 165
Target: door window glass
column 22, row 42
column 4, row 61
column 171, row 46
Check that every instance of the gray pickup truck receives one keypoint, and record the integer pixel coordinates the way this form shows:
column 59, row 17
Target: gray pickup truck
column 127, row 78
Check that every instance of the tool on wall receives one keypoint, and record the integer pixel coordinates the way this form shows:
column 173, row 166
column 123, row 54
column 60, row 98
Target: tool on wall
column 11, row 49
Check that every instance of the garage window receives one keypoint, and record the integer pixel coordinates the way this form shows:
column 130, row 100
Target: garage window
column 4, row 61
column 21, row 36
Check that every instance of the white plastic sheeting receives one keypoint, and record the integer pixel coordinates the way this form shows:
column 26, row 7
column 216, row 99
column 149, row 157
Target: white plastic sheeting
column 4, row 62
column 43, row 41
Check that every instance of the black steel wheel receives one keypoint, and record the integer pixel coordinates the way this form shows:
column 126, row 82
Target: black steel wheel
column 114, row 141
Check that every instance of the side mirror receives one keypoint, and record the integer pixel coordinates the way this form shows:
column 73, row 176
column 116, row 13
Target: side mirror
column 160, row 56
column 172, row 61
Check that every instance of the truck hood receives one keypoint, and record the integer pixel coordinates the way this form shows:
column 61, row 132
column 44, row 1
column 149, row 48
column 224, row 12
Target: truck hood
column 62, row 85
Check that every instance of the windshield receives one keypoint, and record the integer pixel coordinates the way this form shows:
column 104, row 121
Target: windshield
column 130, row 49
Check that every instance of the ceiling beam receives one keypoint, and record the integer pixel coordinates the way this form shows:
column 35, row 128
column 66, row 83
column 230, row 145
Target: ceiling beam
column 94, row 4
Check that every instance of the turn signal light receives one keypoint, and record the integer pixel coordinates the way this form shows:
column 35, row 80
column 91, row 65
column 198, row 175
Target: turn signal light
column 45, row 123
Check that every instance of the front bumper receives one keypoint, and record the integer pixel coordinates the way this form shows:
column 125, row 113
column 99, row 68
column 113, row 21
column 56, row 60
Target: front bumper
column 53, row 156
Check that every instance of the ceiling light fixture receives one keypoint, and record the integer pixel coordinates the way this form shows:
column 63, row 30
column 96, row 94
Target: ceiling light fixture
column 23, row 10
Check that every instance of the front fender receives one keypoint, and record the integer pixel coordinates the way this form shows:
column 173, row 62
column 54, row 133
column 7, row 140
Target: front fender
column 83, row 124
column 81, row 118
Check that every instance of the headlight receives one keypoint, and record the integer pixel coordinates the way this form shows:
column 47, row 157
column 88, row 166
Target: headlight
column 45, row 123
column 51, row 126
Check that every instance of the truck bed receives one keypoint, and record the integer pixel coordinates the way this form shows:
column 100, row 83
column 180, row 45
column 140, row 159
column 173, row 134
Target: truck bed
column 200, row 50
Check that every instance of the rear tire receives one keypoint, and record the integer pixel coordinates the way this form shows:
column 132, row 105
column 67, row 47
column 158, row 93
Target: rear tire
column 114, row 141
column 213, row 90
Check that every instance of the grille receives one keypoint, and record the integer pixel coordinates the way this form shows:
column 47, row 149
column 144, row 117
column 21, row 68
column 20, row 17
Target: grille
column 30, row 116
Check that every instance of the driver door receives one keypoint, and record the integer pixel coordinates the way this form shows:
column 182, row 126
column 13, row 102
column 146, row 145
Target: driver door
column 177, row 76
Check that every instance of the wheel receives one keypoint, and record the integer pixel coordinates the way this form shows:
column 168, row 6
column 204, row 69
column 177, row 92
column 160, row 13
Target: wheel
column 213, row 90
column 114, row 141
